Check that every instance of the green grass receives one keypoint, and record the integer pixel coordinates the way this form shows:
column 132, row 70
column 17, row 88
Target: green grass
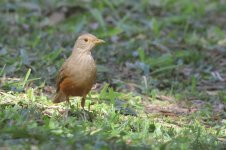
column 161, row 75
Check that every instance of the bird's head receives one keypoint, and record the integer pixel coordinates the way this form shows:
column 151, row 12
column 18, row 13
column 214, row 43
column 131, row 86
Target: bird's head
column 86, row 42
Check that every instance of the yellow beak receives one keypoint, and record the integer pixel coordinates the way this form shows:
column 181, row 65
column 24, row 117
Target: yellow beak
column 98, row 41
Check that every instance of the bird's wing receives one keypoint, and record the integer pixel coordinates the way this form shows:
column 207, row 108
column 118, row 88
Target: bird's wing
column 59, row 79
column 62, row 75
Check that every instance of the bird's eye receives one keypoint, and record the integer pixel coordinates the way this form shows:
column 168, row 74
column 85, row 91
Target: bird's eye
column 86, row 40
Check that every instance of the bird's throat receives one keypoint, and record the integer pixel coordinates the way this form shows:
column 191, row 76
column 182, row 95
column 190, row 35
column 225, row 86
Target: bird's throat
column 78, row 51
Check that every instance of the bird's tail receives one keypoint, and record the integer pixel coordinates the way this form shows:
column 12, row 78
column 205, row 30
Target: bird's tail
column 59, row 97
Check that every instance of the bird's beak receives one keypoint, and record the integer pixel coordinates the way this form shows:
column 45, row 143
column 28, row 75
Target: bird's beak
column 98, row 41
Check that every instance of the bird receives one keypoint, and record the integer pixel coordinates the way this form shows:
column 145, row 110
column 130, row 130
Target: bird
column 78, row 73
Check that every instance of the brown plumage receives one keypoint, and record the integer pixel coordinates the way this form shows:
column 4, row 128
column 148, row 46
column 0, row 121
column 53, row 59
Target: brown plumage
column 78, row 73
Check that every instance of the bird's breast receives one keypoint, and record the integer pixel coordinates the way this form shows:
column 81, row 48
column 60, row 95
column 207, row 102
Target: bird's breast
column 81, row 73
column 83, row 69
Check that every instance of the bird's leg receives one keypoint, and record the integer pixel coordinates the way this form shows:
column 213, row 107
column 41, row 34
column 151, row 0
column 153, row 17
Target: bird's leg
column 68, row 107
column 68, row 103
column 83, row 102
column 84, row 112
column 90, row 102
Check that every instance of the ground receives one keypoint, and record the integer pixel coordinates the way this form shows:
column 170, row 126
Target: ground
column 161, row 75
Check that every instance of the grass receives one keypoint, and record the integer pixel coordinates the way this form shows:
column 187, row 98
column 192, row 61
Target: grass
column 161, row 75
